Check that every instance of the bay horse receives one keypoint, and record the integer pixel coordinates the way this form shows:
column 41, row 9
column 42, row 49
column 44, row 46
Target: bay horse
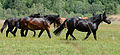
column 59, row 22
column 42, row 24
column 85, row 25
column 12, row 22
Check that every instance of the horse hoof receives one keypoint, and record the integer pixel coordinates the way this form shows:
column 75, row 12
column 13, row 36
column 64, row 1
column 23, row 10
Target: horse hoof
column 74, row 39
column 83, row 39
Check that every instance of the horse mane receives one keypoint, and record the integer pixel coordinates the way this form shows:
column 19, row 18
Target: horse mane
column 95, row 18
column 35, row 15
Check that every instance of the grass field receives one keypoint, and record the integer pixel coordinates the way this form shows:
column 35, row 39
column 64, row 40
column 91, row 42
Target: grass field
column 108, row 43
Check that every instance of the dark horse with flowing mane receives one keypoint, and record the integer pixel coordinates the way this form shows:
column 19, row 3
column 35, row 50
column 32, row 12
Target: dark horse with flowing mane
column 85, row 25
column 12, row 22
column 42, row 23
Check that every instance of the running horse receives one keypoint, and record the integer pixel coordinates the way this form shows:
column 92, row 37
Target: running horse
column 85, row 25
column 42, row 24
column 12, row 22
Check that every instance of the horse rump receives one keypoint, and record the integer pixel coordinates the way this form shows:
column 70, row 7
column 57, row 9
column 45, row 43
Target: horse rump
column 4, row 25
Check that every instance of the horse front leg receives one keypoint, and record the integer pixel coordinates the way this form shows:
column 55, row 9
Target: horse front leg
column 26, row 33
column 40, row 33
column 87, row 35
column 22, row 32
column 7, row 32
column 94, row 33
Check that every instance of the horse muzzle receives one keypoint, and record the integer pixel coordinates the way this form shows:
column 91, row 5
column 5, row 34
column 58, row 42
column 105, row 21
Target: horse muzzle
column 108, row 21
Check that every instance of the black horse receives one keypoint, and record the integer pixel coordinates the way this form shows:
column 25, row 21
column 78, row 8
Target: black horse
column 85, row 25
column 12, row 22
column 42, row 23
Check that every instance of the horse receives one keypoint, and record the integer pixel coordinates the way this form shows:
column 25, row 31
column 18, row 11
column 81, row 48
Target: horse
column 85, row 25
column 59, row 22
column 62, row 19
column 12, row 22
column 37, row 24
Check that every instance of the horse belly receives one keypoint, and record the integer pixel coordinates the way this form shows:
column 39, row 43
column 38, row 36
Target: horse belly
column 82, row 28
column 35, row 26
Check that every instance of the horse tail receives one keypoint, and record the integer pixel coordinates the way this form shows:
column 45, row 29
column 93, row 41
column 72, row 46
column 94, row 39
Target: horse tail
column 59, row 29
column 18, row 23
column 4, row 25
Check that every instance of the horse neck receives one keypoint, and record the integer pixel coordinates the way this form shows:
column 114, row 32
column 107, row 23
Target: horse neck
column 95, row 22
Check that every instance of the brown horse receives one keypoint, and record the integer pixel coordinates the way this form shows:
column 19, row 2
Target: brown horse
column 58, row 23
column 12, row 22
column 37, row 24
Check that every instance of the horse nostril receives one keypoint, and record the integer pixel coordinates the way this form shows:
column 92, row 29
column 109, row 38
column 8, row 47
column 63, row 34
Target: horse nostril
column 109, row 22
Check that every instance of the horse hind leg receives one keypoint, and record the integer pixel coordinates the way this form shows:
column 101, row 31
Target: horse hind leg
column 13, row 32
column 9, row 30
column 26, row 33
column 40, row 33
column 71, row 34
column 87, row 35
column 67, row 34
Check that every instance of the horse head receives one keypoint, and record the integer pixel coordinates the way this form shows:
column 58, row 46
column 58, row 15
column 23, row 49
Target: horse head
column 105, row 18
column 52, row 18
column 100, row 18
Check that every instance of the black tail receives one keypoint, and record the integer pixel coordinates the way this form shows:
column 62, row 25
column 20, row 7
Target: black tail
column 4, row 25
column 18, row 23
column 59, row 29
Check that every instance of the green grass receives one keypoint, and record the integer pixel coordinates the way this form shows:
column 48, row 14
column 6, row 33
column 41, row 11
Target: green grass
column 108, row 43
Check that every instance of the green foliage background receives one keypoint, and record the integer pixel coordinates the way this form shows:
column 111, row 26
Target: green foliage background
column 65, row 8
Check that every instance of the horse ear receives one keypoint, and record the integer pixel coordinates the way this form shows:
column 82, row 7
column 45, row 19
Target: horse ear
column 100, row 15
column 104, row 13
column 58, row 15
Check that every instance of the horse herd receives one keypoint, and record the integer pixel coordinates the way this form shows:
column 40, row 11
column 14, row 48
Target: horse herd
column 37, row 22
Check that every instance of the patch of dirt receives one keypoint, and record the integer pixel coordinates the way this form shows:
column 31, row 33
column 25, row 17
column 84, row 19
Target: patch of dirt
column 109, row 28
column 114, row 17
column 2, row 21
